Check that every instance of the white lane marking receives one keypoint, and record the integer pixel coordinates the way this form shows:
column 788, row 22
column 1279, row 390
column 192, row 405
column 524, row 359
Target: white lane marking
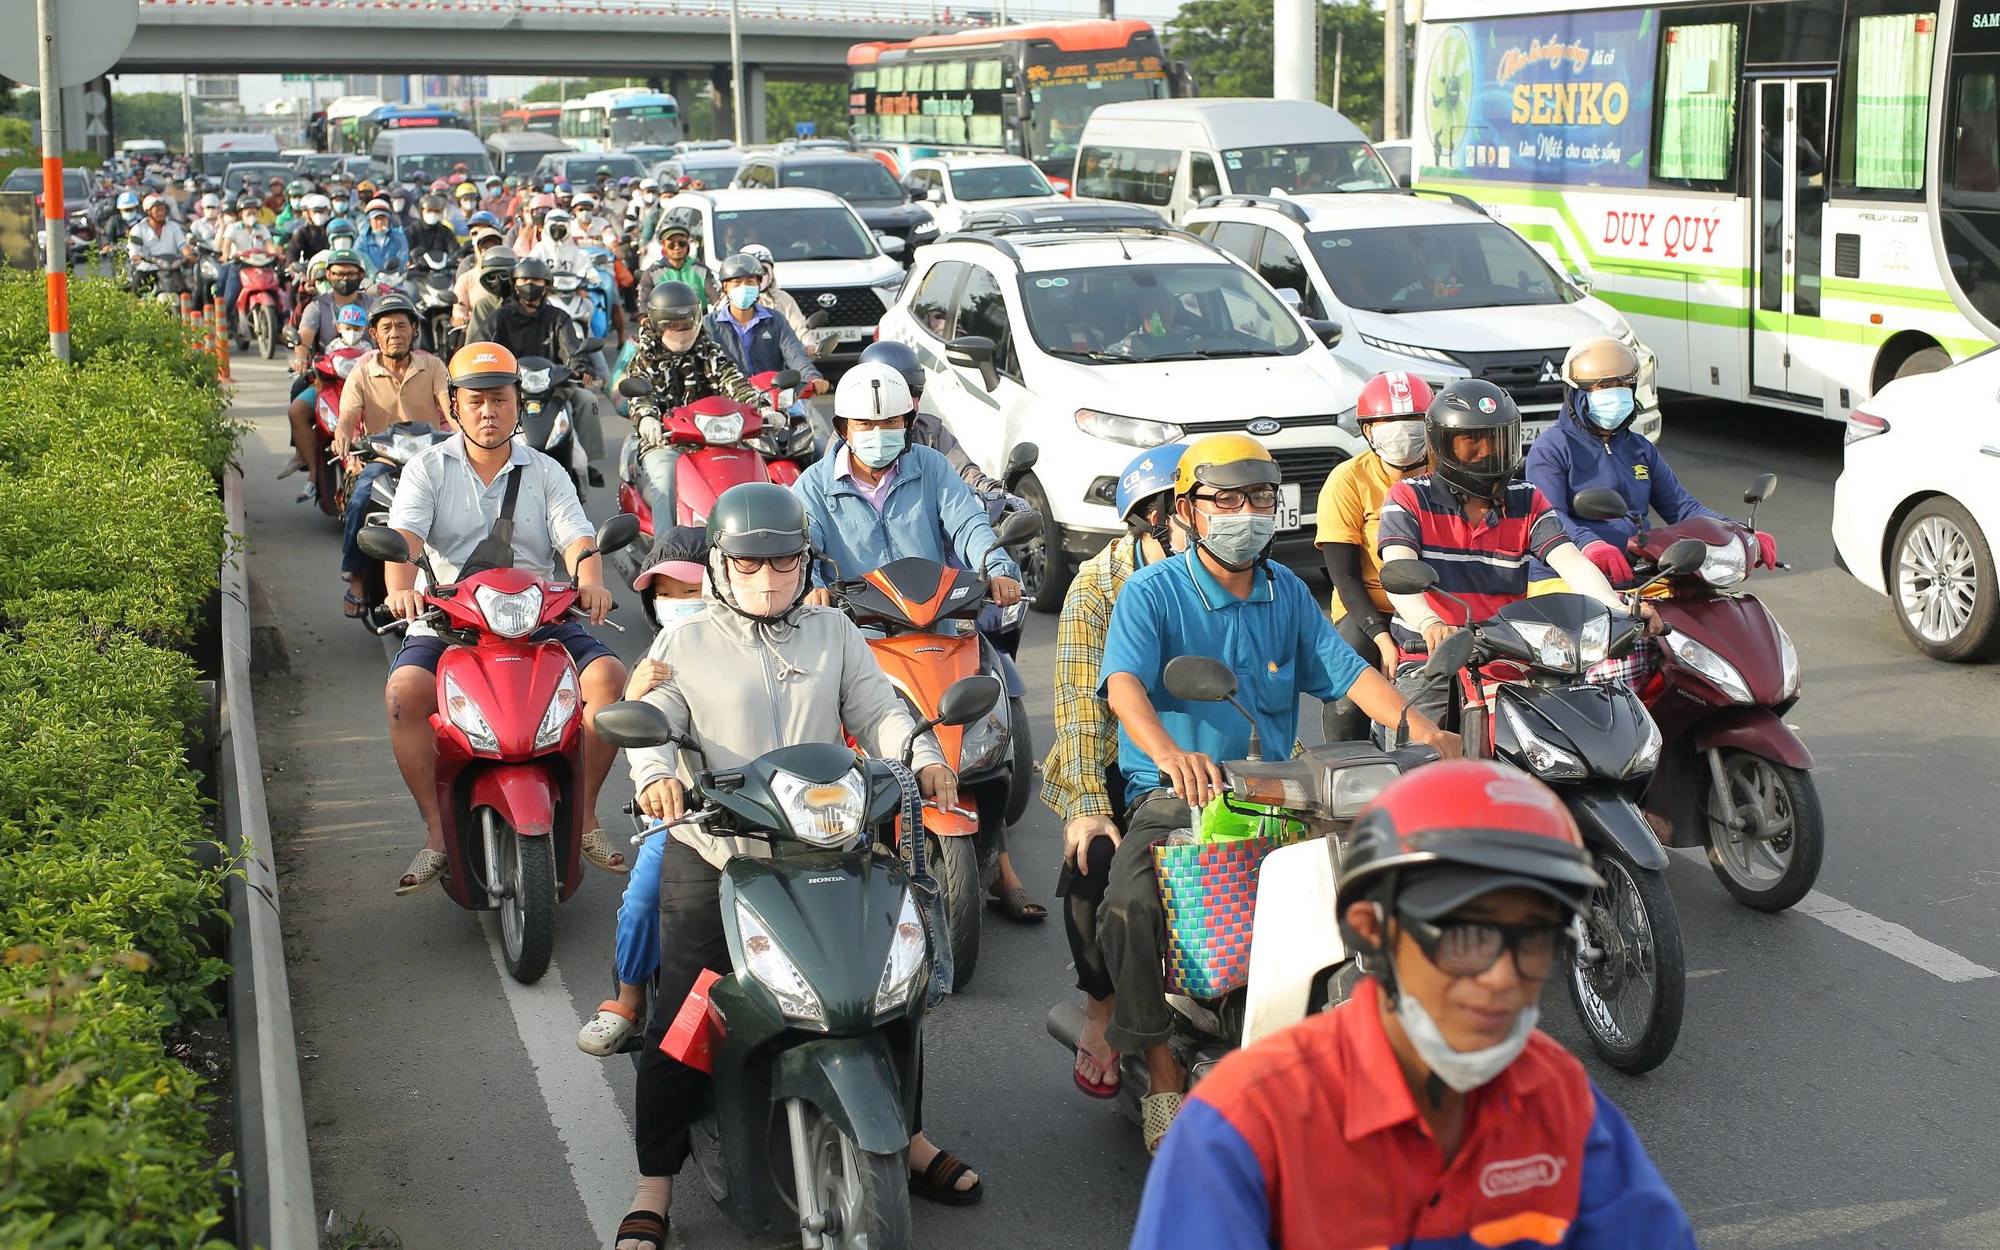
column 594, row 1134
column 1888, row 936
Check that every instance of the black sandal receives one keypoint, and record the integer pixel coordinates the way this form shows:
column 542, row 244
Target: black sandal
column 649, row 1227
column 939, row 1182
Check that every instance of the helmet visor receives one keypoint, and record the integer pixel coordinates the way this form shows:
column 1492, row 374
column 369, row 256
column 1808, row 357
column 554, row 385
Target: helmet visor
column 761, row 543
column 1490, row 452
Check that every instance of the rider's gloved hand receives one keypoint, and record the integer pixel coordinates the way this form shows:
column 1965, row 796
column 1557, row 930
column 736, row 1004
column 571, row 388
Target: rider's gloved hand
column 1767, row 550
column 651, row 433
column 1611, row 561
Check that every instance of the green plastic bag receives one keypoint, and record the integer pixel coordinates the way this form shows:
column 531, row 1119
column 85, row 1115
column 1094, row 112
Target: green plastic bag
column 1219, row 823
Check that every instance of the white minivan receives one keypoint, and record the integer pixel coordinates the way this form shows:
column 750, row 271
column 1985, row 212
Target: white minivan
column 1171, row 155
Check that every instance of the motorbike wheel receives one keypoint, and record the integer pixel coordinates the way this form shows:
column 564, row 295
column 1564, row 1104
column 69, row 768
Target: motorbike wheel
column 955, row 864
column 1772, row 862
column 264, row 328
column 1045, row 571
column 1630, row 1000
column 526, row 879
column 869, row 1192
column 1023, row 787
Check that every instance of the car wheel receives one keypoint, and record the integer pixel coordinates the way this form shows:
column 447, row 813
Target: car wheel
column 1929, row 360
column 1045, row 570
column 1942, row 583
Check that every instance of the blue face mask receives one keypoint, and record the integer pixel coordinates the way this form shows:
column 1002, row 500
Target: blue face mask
column 1609, row 409
column 668, row 610
column 876, row 448
column 745, row 297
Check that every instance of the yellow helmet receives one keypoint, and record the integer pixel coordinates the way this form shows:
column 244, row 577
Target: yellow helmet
column 1227, row 462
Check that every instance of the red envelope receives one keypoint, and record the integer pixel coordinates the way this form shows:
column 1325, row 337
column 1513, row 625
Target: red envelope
column 692, row 1034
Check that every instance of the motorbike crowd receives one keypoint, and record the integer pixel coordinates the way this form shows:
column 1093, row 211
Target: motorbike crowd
column 1309, row 974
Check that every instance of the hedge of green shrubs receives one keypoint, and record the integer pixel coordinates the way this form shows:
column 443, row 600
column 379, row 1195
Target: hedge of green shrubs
column 111, row 536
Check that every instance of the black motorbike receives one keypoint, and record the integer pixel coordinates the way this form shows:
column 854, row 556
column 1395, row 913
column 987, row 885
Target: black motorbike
column 431, row 276
column 1522, row 697
column 396, row 446
column 817, row 1045
column 549, row 413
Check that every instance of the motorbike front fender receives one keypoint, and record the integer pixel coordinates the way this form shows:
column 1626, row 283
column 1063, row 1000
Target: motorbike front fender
column 854, row 1081
column 1608, row 817
column 523, row 795
column 1758, row 730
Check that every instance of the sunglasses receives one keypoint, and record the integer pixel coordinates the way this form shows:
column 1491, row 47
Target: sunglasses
column 674, row 243
column 747, row 565
column 1467, row 948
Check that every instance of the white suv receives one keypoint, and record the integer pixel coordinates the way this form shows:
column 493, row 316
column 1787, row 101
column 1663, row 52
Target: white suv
column 954, row 187
column 1428, row 286
column 827, row 259
column 1093, row 344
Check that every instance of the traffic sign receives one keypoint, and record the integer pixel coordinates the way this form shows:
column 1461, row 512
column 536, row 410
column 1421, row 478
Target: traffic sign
column 90, row 37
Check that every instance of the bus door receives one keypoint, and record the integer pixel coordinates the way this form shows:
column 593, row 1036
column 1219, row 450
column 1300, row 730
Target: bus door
column 1790, row 212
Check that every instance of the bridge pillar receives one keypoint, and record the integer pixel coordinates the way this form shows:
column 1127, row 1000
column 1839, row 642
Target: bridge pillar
column 753, row 104
column 722, row 107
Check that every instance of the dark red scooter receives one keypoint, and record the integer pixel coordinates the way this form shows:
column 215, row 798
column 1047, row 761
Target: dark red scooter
column 1732, row 775
column 332, row 477
column 509, row 729
column 260, row 311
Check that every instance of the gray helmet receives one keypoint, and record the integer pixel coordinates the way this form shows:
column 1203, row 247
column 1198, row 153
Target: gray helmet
column 672, row 301
column 756, row 519
column 393, row 302
column 532, row 268
column 741, row 265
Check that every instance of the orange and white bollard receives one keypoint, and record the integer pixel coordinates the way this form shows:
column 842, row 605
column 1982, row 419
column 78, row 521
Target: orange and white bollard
column 219, row 343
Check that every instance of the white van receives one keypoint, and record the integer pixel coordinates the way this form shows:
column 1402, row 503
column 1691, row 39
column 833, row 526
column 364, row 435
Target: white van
column 1171, row 155
column 220, row 151
column 399, row 154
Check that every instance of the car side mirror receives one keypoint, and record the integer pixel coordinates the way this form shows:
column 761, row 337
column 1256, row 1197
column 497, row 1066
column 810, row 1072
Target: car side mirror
column 975, row 351
column 633, row 723
column 1407, row 577
column 890, row 244
column 1199, row 679
column 1765, row 486
column 1206, row 190
column 1022, row 458
column 1582, row 283
column 1293, row 300
column 617, row 533
column 934, row 195
column 1684, row 556
column 635, row 387
column 1599, row 503
column 382, row 543
column 968, row 699
column 1329, row 332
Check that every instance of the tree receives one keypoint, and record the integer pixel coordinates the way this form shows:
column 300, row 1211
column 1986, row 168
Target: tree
column 150, row 115
column 1227, row 45
column 786, row 104
column 556, row 90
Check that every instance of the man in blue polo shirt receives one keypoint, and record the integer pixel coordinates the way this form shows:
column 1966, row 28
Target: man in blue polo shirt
column 1218, row 598
column 755, row 340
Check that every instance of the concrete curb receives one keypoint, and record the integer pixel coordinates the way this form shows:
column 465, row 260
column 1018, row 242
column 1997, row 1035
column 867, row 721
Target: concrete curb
column 276, row 1200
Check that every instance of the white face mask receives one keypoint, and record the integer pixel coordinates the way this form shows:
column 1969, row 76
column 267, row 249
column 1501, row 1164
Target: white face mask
column 666, row 611
column 1462, row 1070
column 1401, row 444
column 351, row 337
column 766, row 592
column 431, row 219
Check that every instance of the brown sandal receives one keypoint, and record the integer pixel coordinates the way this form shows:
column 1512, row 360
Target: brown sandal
column 939, row 1182
column 597, row 848
column 1016, row 904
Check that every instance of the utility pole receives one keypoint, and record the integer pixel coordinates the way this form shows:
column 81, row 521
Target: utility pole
column 736, row 66
column 187, row 119
column 1339, row 48
column 56, row 237
column 1294, row 73
column 1107, row 9
column 1392, row 69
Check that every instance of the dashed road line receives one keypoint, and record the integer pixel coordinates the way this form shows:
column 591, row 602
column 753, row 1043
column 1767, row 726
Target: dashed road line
column 1892, row 938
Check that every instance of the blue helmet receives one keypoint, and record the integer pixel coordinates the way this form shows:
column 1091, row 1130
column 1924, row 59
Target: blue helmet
column 128, row 200
column 340, row 225
column 1150, row 473
column 482, row 219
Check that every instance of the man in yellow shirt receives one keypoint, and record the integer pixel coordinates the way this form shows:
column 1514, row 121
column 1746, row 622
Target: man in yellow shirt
column 1391, row 415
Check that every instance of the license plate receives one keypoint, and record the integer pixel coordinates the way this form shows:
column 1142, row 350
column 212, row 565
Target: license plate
column 1288, row 506
column 852, row 334
column 1531, row 430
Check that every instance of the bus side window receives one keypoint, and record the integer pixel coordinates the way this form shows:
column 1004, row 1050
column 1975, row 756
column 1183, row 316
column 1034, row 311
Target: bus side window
column 1885, row 100
column 1695, row 140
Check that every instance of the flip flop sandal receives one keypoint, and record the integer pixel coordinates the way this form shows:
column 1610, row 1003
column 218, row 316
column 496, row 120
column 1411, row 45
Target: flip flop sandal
column 1156, row 1116
column 939, row 1182
column 608, row 1029
column 598, row 850
column 1017, row 905
column 353, row 605
column 648, row 1228
column 423, row 874
column 1100, row 1089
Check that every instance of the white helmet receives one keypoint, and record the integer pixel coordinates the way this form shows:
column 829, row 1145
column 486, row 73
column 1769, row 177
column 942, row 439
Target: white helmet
column 316, row 203
column 761, row 253
column 872, row 391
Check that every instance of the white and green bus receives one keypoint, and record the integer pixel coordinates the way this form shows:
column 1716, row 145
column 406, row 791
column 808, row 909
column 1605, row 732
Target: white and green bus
column 1756, row 186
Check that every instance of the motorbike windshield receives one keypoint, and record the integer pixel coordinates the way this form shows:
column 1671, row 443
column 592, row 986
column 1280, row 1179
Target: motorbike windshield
column 1119, row 314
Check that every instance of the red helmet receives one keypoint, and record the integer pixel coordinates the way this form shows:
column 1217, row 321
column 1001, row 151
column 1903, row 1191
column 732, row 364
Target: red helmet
column 1392, row 395
column 1459, row 829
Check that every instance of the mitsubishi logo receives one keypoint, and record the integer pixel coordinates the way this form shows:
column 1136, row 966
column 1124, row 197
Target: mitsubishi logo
column 1550, row 371
column 828, row 299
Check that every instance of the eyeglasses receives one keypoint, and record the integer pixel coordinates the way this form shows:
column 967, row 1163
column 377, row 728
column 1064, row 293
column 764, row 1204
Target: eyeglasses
column 1605, row 384
column 1467, row 948
column 1259, row 498
column 674, row 243
column 747, row 565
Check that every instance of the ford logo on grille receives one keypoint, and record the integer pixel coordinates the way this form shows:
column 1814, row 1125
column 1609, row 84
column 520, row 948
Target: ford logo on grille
column 1264, row 426
column 828, row 299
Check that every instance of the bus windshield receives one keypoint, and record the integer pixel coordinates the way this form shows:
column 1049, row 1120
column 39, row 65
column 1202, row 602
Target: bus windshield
column 999, row 182
column 1060, row 109
column 645, row 123
column 1306, row 167
column 795, row 233
column 1402, row 269
column 1121, row 314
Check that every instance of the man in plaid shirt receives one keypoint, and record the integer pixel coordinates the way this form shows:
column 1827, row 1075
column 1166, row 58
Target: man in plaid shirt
column 1077, row 779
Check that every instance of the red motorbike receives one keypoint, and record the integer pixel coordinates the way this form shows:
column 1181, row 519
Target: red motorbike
column 1732, row 776
column 332, row 478
column 260, row 303
column 509, row 729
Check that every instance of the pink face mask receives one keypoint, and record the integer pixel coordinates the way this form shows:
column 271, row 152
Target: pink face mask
column 765, row 592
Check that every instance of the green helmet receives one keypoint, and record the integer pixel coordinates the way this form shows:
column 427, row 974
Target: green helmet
column 346, row 256
column 298, row 187
column 757, row 519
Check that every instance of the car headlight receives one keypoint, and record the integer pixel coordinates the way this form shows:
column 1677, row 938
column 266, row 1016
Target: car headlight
column 1788, row 659
column 510, row 616
column 1132, row 431
column 1548, row 760
column 464, row 713
column 1412, row 351
column 562, row 705
column 1709, row 665
column 720, row 428
column 534, row 381
column 821, row 813
column 775, row 971
column 924, row 227
column 1552, row 647
column 1647, row 757
column 984, row 743
column 906, row 959
column 1727, row 563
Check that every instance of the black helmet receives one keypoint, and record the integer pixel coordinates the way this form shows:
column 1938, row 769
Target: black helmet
column 740, row 265
column 756, row 519
column 392, row 303
column 431, row 204
column 496, row 271
column 898, row 356
column 672, row 301
column 1474, row 406
column 532, row 268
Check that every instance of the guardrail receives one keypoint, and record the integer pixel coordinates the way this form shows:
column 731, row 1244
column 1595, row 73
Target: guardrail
column 918, row 12
column 275, row 1207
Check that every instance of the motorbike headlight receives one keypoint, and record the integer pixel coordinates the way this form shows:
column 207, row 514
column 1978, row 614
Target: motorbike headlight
column 534, row 381
column 1354, row 788
column 1727, row 563
column 1552, row 647
column 775, row 971
column 1788, row 659
column 562, row 705
column 720, row 428
column 510, row 616
column 821, row 813
column 567, row 282
column 1709, row 665
column 1594, row 641
column 464, row 713
column 1549, row 761
column 984, row 744
column 559, row 431
column 1647, row 757
column 1132, row 431
column 905, row 962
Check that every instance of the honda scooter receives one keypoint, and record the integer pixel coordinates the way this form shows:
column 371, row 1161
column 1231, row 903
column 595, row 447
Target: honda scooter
column 396, row 447
column 431, row 276
column 815, row 1037
column 330, row 481
column 509, row 729
column 548, row 418
column 1733, row 777
column 260, row 309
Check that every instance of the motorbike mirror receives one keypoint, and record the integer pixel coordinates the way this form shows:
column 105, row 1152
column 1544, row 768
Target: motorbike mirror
column 1200, row 679
column 619, row 532
column 1685, row 556
column 1407, row 577
column 787, row 379
column 1765, row 486
column 635, row 387
column 446, row 296
column 817, row 321
column 1451, row 655
column 588, row 346
column 1021, row 459
column 968, row 699
column 1599, row 503
column 1017, row 527
column 382, row 543
column 633, row 723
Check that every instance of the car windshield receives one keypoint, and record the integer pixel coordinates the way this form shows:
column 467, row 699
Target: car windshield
column 252, row 177
column 621, row 164
column 795, row 233
column 1422, row 268
column 1296, row 168
column 1124, row 313
column 999, row 182
column 857, row 182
